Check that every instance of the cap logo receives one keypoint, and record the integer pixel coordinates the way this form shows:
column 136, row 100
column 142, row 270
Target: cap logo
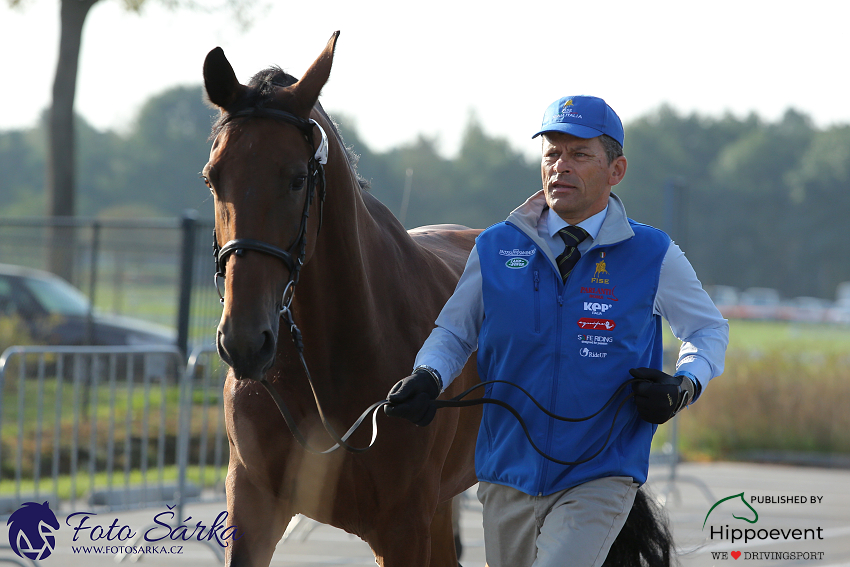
column 568, row 112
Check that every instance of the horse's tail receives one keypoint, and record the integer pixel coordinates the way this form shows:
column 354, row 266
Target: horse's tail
column 646, row 539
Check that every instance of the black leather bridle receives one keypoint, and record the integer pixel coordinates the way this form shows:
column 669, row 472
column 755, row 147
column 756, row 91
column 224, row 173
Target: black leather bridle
column 293, row 257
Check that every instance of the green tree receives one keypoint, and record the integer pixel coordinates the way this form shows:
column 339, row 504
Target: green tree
column 820, row 198
column 168, row 147
column 60, row 178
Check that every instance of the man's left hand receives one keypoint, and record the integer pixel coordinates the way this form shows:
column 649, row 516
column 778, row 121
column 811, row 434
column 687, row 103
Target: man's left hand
column 660, row 396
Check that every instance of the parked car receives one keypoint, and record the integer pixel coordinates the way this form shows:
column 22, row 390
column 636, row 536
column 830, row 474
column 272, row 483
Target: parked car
column 760, row 303
column 49, row 310
column 806, row 309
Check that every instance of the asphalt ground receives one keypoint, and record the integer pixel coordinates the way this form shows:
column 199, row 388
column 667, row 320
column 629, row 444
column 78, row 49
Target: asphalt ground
column 803, row 518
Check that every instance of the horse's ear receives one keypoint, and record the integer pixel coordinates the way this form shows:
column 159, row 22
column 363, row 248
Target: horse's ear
column 223, row 88
column 306, row 91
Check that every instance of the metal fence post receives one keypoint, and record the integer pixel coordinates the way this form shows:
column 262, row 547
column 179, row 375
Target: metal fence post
column 187, row 256
column 95, row 253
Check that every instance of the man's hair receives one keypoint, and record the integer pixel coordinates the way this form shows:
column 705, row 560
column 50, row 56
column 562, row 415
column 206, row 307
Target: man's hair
column 613, row 149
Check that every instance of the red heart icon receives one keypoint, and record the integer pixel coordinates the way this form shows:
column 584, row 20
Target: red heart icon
column 736, row 554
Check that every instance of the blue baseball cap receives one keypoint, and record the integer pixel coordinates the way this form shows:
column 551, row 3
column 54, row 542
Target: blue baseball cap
column 583, row 117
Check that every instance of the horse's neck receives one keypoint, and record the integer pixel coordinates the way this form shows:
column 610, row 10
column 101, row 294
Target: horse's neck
column 360, row 246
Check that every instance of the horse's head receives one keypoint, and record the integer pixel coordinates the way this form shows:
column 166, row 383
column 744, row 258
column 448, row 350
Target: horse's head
column 266, row 177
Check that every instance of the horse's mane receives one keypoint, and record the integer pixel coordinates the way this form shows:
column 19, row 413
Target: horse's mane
column 261, row 94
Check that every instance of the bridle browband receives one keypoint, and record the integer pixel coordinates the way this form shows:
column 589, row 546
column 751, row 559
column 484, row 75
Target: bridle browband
column 293, row 258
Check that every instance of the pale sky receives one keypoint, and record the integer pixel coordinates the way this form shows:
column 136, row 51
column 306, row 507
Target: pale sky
column 403, row 68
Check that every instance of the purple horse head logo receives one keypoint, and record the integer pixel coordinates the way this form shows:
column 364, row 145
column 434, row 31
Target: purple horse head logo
column 31, row 530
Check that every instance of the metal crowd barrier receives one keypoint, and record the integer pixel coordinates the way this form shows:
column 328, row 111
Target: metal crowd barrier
column 116, row 427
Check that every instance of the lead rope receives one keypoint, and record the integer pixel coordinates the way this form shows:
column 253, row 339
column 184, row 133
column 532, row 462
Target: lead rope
column 456, row 401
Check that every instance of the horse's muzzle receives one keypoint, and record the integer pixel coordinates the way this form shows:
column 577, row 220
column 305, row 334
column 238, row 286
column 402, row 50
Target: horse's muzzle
column 249, row 354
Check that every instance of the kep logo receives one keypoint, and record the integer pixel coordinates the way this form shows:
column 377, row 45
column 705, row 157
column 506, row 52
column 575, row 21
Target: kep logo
column 31, row 530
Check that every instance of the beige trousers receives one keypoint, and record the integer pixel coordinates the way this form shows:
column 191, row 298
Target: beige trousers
column 574, row 527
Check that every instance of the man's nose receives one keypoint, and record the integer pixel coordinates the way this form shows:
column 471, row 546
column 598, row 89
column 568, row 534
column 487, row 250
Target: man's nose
column 563, row 165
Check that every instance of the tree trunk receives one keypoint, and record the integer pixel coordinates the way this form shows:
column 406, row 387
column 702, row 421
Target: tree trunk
column 61, row 182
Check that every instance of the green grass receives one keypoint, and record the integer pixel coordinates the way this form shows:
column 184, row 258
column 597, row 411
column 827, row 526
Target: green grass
column 763, row 336
column 207, row 477
column 785, row 388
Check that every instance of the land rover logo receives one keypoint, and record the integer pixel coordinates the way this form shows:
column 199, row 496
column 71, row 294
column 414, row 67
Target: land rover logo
column 516, row 263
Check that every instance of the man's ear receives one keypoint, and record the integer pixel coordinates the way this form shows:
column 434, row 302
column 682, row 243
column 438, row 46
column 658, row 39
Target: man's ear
column 617, row 170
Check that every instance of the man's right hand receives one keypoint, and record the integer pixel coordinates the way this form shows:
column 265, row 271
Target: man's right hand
column 412, row 397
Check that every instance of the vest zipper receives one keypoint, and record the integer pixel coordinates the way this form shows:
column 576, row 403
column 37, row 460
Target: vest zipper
column 555, row 379
column 536, row 301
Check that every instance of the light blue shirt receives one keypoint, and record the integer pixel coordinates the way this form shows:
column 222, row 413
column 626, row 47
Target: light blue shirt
column 680, row 299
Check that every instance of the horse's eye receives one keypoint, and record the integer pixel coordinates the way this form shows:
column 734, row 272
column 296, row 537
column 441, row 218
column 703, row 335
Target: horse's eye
column 207, row 182
column 298, row 183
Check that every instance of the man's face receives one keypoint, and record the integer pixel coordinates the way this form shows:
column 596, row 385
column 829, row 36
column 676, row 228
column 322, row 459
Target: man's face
column 577, row 177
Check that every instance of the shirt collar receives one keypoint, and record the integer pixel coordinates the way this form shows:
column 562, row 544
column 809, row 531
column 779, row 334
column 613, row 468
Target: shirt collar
column 592, row 225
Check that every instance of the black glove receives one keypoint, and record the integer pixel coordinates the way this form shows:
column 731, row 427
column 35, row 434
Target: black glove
column 661, row 396
column 411, row 398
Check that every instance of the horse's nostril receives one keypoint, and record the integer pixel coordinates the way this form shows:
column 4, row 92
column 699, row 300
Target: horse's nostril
column 249, row 357
column 267, row 347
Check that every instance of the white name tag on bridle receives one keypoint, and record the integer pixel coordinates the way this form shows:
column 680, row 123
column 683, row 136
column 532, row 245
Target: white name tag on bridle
column 322, row 152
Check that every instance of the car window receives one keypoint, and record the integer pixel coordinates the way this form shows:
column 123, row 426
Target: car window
column 58, row 297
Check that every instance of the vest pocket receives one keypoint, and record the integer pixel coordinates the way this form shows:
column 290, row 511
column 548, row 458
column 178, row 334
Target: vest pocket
column 536, row 301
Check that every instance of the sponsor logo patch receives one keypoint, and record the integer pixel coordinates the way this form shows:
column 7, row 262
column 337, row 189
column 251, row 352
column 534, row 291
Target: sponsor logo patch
column 601, row 269
column 516, row 263
column 595, row 340
column 596, row 324
column 517, row 252
column 600, row 293
column 586, row 352
column 597, row 308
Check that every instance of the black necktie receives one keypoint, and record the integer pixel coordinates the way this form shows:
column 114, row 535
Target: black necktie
column 572, row 236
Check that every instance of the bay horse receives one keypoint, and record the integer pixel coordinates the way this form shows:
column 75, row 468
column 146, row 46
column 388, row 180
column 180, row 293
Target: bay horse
column 365, row 293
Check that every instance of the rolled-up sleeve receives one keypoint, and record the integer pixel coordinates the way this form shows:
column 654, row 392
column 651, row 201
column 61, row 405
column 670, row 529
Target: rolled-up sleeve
column 455, row 336
column 693, row 318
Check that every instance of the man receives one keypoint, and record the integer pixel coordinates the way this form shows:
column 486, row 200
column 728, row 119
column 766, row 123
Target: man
column 565, row 299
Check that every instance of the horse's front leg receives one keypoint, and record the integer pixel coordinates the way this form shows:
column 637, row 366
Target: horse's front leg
column 443, row 550
column 401, row 536
column 259, row 517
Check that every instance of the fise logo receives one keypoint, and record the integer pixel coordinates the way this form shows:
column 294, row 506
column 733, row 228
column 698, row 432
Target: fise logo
column 31, row 529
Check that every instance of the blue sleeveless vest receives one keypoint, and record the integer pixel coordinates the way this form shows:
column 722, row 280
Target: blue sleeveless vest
column 571, row 346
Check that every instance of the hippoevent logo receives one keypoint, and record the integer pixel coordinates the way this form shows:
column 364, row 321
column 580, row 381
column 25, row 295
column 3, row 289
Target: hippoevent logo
column 737, row 533
column 32, row 529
